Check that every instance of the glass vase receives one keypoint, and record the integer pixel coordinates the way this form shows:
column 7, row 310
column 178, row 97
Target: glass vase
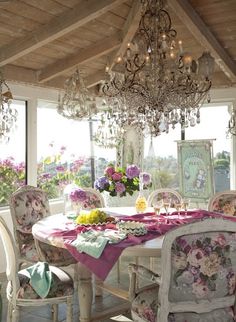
column 76, row 206
column 141, row 203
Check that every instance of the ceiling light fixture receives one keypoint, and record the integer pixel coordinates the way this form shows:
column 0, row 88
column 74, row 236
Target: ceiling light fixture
column 156, row 84
column 77, row 103
column 8, row 115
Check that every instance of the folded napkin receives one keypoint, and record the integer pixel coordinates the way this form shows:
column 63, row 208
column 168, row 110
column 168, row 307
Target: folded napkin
column 93, row 242
column 40, row 278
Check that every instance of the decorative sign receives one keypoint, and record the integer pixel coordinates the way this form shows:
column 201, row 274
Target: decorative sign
column 130, row 151
column 196, row 169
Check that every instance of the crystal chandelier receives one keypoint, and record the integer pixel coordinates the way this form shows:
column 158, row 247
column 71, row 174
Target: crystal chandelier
column 156, row 84
column 8, row 115
column 77, row 103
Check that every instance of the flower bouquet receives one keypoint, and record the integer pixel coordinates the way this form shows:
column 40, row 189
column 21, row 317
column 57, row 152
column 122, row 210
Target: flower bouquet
column 121, row 181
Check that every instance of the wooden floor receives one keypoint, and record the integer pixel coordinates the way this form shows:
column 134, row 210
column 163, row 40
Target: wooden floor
column 42, row 314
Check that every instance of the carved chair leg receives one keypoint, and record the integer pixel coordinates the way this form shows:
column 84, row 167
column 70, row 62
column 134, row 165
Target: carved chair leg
column 9, row 312
column 69, row 310
column 55, row 312
column 118, row 270
column 15, row 314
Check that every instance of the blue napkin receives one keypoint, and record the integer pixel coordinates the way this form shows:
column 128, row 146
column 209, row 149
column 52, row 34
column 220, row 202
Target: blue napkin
column 40, row 278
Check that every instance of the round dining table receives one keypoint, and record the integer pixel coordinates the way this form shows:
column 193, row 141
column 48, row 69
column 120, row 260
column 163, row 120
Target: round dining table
column 57, row 222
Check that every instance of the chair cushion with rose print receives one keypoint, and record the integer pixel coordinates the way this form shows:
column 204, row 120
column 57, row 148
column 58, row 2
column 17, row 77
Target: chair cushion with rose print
column 165, row 194
column 28, row 205
column 94, row 199
column 62, row 285
column 198, row 276
column 223, row 202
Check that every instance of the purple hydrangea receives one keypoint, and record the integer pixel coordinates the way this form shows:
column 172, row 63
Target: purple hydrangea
column 101, row 182
column 132, row 171
column 78, row 195
column 146, row 177
column 119, row 187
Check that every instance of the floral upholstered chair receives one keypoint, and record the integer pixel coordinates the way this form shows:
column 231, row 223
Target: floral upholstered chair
column 165, row 194
column 21, row 291
column 27, row 205
column 223, row 202
column 197, row 280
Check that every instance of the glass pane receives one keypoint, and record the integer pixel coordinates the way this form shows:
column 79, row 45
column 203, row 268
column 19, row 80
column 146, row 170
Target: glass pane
column 213, row 125
column 12, row 159
column 160, row 159
column 65, row 152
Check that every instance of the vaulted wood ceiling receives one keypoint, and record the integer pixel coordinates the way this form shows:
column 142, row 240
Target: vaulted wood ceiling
column 42, row 42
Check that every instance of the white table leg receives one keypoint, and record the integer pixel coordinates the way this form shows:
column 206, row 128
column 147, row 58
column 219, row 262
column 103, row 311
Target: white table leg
column 85, row 293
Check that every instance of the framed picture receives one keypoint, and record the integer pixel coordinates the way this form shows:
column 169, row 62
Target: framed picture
column 196, row 169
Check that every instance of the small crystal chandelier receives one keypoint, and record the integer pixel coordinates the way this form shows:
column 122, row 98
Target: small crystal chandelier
column 76, row 103
column 108, row 134
column 232, row 123
column 156, row 84
column 8, row 115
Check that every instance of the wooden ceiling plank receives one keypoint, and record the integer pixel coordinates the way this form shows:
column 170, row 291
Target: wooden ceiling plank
column 59, row 26
column 19, row 74
column 92, row 52
column 94, row 79
column 203, row 34
column 129, row 30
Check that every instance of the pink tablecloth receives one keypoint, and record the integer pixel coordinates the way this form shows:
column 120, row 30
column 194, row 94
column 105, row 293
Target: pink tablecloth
column 156, row 226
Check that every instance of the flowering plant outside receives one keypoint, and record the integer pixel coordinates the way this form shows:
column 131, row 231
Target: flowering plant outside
column 121, row 181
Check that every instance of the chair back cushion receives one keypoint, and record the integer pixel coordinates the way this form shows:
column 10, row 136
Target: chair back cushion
column 28, row 205
column 203, row 266
column 199, row 271
column 224, row 202
column 165, row 194
column 94, row 199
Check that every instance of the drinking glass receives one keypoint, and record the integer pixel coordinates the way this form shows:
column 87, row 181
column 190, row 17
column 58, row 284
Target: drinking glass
column 157, row 205
column 178, row 207
column 166, row 205
column 185, row 204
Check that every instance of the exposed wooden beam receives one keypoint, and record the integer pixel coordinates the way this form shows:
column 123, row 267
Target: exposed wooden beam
column 59, row 26
column 94, row 51
column 202, row 33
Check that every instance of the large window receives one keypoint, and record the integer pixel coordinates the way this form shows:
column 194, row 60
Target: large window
column 13, row 156
column 66, row 151
column 161, row 157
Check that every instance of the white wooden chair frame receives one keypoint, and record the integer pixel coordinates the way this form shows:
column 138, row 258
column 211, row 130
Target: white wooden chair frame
column 14, row 303
column 217, row 196
column 165, row 306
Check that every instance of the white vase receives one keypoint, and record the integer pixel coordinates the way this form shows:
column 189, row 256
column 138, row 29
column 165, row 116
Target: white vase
column 125, row 201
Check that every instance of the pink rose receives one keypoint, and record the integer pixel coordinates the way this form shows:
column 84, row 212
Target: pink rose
column 109, row 171
column 117, row 176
